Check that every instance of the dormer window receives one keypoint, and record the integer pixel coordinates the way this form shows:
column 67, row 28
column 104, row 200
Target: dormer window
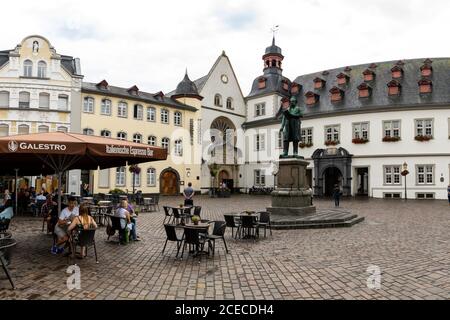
column 347, row 69
column 325, row 73
column 364, row 90
column 397, row 72
column 425, row 86
column 319, row 83
column 394, row 88
column 133, row 91
column 428, row 61
column 342, row 78
column 103, row 85
column 368, row 75
column 159, row 95
column 373, row 66
column 311, row 98
column 426, row 70
column 295, row 88
column 285, row 85
column 261, row 83
column 336, row 94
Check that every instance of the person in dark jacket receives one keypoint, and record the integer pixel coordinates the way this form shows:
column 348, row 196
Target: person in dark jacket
column 336, row 195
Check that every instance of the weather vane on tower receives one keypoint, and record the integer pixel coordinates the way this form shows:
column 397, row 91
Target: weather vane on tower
column 274, row 29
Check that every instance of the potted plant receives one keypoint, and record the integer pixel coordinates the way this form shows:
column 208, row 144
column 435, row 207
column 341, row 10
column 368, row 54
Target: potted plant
column 134, row 169
column 360, row 140
column 331, row 142
column 213, row 171
column 305, row 144
column 422, row 138
column 195, row 219
column 390, row 139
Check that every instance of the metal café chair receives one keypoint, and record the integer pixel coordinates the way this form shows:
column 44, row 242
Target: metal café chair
column 264, row 221
column 172, row 236
column 230, row 220
column 6, row 246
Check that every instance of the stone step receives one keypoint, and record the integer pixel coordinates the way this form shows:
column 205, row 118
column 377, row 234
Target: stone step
column 317, row 225
column 315, row 219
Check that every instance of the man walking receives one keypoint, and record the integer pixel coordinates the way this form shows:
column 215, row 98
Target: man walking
column 336, row 195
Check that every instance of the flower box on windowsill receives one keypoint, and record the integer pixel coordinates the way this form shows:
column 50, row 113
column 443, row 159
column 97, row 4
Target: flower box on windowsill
column 331, row 142
column 423, row 138
column 305, row 145
column 359, row 140
column 391, row 139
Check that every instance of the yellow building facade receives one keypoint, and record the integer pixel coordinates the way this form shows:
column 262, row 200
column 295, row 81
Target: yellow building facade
column 155, row 119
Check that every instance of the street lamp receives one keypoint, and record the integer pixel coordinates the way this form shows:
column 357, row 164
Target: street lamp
column 405, row 173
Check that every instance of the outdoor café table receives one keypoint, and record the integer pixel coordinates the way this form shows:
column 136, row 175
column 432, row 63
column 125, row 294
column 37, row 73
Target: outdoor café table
column 182, row 210
column 252, row 214
column 202, row 227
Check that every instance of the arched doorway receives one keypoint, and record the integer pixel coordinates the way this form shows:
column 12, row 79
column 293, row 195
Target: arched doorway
column 169, row 182
column 332, row 176
column 225, row 177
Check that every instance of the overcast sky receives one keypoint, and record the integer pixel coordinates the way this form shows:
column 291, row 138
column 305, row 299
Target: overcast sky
column 150, row 43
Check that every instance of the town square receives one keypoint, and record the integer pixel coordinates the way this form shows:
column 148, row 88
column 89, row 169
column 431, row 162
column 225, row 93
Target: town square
column 244, row 161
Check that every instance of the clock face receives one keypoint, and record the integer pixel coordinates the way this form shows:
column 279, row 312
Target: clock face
column 224, row 78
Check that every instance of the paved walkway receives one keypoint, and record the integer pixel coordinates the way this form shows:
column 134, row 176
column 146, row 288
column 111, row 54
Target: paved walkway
column 409, row 242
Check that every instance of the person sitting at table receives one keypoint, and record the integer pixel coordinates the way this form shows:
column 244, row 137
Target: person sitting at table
column 122, row 212
column 8, row 211
column 85, row 220
column 50, row 213
column 64, row 220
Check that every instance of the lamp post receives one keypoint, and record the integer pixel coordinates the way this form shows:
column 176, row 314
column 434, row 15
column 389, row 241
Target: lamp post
column 405, row 173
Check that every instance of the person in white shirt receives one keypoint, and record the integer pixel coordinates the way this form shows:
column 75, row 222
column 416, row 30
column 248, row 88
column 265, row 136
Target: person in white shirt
column 64, row 220
column 122, row 212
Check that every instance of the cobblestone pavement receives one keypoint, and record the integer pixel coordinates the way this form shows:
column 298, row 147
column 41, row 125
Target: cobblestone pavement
column 409, row 242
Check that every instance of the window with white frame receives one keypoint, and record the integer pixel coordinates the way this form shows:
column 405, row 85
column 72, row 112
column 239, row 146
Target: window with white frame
column 44, row 100
column 425, row 174
column 121, row 135
column 361, row 130
column 88, row 132
column 218, row 100
column 24, row 99
column 178, row 147
column 260, row 142
column 138, row 112
column 151, row 140
column 62, row 129
column 164, row 116
column 137, row 179
column 120, row 176
column 88, row 105
column 105, row 133
column 392, row 175
column 151, row 177
column 307, row 135
column 4, row 99
column 332, row 133
column 260, row 109
column 137, row 138
column 63, row 102
column 106, row 107
column 165, row 143
column 424, row 127
column 151, row 114
column 177, row 118
column 260, row 178
column 391, row 128
column 43, row 129
column 23, row 129
column 4, row 130
column 42, row 69
column 122, row 109
column 27, row 68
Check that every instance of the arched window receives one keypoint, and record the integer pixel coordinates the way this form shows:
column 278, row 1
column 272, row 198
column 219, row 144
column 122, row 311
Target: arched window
column 106, row 107
column 178, row 148
column 62, row 129
column 88, row 105
column 177, row 118
column 27, row 68
column 151, row 114
column 121, row 135
column 138, row 113
column 120, row 176
column 4, row 130
column 63, row 102
column 137, row 138
column 88, row 131
column 151, row 177
column 44, row 100
column 151, row 140
column 218, row 100
column 122, row 110
column 4, row 99
column 24, row 99
column 164, row 116
column 23, row 129
column 165, row 143
column 43, row 129
column 229, row 103
column 105, row 133
column 42, row 69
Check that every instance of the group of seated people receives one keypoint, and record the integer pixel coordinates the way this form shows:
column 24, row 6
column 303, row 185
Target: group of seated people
column 28, row 200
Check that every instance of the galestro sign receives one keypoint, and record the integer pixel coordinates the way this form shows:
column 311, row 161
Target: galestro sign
column 13, row 146
column 129, row 150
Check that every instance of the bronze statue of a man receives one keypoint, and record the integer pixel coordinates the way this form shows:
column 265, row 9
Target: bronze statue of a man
column 290, row 126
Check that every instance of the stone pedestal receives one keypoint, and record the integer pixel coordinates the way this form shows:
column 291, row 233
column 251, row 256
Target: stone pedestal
column 291, row 197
